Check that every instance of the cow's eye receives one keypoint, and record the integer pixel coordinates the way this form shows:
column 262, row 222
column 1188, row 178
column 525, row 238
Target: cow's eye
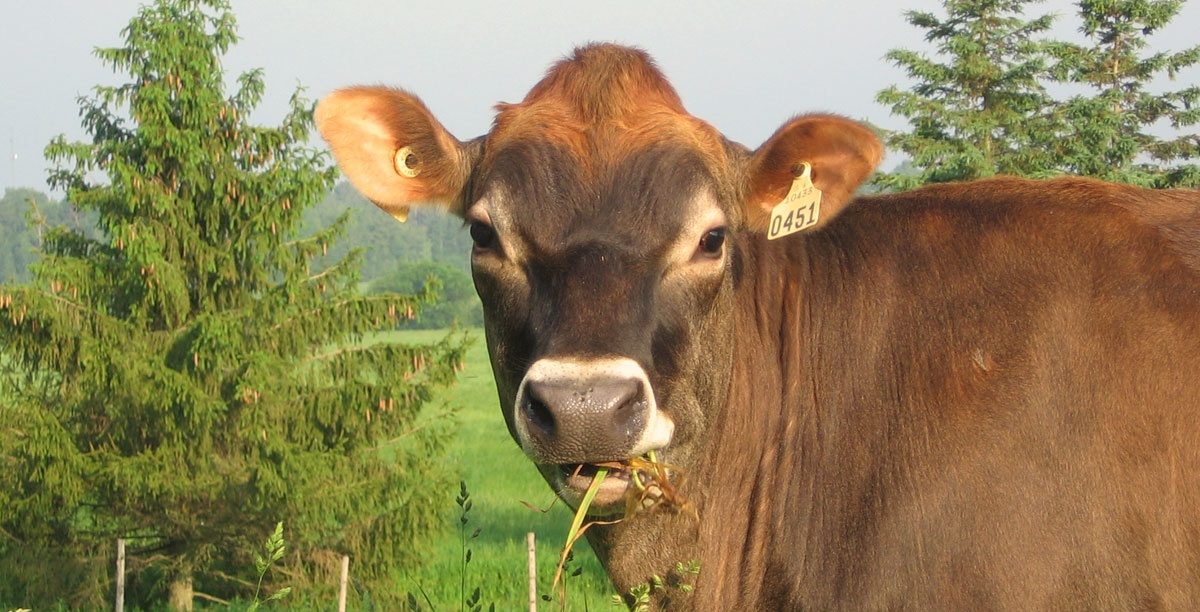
column 483, row 235
column 712, row 241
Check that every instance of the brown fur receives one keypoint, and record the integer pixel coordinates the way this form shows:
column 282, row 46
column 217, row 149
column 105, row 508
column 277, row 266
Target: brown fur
column 997, row 413
column 969, row 396
column 602, row 104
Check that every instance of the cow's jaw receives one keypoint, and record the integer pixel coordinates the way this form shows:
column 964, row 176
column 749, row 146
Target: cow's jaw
column 572, row 413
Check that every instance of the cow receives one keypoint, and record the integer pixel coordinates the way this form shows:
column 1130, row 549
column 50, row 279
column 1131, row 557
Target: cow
column 968, row 396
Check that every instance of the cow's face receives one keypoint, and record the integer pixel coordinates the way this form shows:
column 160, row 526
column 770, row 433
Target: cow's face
column 607, row 303
column 605, row 222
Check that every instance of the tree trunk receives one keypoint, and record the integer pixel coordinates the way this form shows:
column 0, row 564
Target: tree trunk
column 180, row 599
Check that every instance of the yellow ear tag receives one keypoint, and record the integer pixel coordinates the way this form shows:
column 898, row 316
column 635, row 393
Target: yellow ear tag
column 799, row 210
column 406, row 163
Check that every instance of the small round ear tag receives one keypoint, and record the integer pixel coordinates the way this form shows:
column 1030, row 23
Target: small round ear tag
column 800, row 209
column 406, row 163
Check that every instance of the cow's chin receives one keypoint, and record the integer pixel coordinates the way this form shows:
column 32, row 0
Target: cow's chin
column 572, row 483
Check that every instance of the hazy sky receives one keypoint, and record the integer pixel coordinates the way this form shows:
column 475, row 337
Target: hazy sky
column 743, row 66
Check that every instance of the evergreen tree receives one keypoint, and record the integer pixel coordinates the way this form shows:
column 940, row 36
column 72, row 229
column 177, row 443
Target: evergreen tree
column 1107, row 134
column 980, row 108
column 184, row 380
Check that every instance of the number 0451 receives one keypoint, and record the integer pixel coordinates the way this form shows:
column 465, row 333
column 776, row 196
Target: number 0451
column 801, row 208
column 793, row 221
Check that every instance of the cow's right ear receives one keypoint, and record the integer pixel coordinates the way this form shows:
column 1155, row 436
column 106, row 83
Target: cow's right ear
column 393, row 150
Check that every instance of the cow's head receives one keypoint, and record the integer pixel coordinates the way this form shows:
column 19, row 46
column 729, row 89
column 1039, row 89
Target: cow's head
column 607, row 223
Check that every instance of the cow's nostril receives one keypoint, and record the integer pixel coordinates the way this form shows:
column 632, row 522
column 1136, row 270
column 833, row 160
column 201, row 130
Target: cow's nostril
column 539, row 415
column 629, row 407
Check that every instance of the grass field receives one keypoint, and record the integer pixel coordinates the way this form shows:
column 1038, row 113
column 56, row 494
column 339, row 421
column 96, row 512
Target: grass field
column 499, row 477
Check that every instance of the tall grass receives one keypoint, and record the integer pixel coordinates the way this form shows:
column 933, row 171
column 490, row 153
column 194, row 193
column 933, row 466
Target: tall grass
column 500, row 477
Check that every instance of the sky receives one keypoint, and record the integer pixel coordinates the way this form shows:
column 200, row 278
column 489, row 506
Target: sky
column 745, row 67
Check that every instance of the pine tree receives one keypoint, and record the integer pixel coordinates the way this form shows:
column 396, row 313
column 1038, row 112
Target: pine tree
column 1108, row 134
column 185, row 381
column 979, row 109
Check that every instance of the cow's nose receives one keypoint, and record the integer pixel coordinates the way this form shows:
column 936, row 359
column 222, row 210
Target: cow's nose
column 583, row 420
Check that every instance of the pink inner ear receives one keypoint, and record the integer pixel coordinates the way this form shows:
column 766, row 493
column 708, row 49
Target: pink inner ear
column 366, row 126
column 842, row 153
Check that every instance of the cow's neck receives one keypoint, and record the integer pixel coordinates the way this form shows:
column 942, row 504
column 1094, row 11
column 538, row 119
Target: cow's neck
column 797, row 443
column 762, row 439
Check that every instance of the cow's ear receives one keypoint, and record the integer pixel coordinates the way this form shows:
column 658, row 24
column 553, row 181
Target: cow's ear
column 393, row 150
column 840, row 155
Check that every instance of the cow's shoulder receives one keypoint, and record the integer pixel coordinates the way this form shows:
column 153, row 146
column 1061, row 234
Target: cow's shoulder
column 1071, row 209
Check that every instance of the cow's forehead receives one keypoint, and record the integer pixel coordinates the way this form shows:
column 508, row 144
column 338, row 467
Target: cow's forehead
column 602, row 146
column 602, row 103
column 541, row 192
column 596, row 142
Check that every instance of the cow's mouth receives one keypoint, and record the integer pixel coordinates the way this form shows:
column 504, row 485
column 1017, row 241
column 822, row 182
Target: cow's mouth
column 609, row 497
column 628, row 486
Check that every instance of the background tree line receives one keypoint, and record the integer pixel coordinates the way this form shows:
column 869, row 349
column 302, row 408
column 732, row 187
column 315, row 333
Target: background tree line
column 430, row 247
column 396, row 257
column 26, row 216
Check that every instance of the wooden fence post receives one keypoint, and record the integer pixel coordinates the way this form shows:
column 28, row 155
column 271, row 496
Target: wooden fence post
column 342, row 588
column 120, row 575
column 529, row 543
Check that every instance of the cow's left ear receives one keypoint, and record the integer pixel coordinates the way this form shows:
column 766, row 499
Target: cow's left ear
column 393, row 149
column 840, row 154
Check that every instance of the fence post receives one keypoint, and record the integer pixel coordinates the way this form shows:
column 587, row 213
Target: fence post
column 120, row 575
column 342, row 588
column 529, row 543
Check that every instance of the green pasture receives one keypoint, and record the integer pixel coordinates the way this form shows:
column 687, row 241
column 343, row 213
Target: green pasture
column 499, row 478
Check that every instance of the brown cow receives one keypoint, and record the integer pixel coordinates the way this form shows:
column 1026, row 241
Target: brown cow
column 968, row 396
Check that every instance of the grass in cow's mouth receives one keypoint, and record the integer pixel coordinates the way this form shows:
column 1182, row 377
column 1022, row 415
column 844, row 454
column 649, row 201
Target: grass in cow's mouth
column 652, row 487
